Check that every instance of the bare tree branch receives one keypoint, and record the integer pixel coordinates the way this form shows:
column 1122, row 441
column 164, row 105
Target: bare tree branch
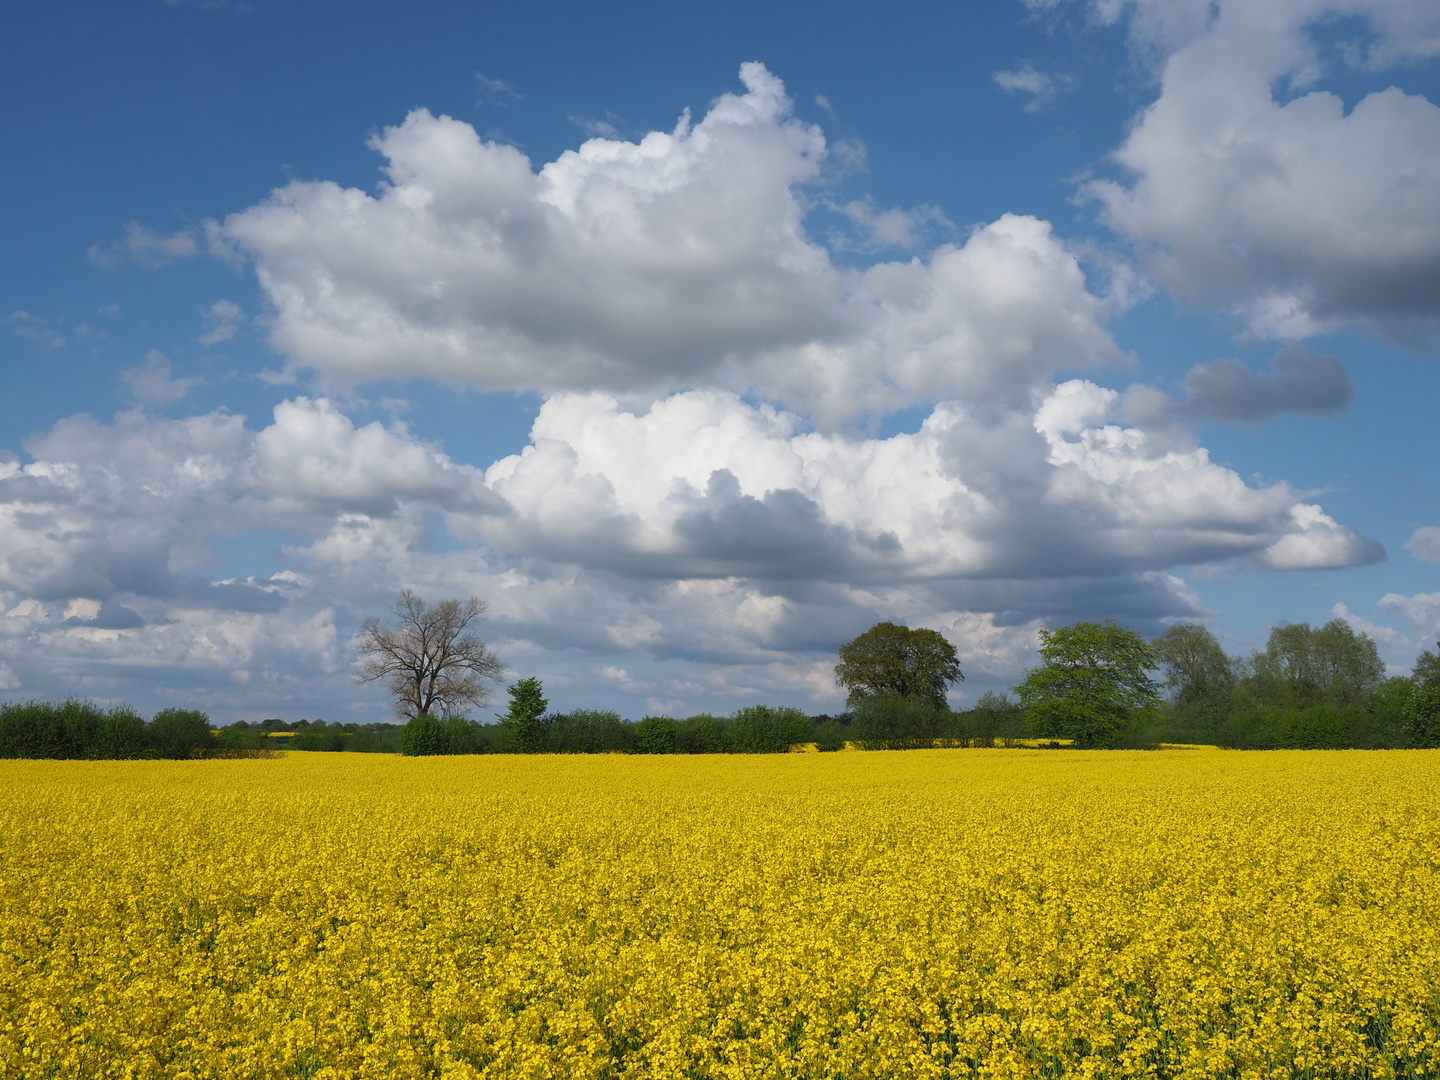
column 429, row 657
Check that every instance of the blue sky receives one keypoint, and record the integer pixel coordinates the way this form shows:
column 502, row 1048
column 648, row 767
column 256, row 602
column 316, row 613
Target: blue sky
column 696, row 341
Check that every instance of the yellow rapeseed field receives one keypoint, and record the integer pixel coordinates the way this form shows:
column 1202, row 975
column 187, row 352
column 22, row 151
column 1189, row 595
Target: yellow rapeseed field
column 1180, row 913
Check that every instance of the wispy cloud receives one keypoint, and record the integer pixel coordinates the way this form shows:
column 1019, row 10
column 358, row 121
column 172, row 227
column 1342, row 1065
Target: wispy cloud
column 1027, row 79
column 36, row 329
column 144, row 246
column 222, row 319
column 495, row 91
column 152, row 383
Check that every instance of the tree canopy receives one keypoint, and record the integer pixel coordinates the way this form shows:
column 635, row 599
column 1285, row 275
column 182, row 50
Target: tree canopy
column 1302, row 667
column 429, row 657
column 891, row 658
column 1093, row 681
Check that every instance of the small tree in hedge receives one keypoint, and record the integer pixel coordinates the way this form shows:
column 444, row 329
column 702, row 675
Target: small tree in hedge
column 761, row 729
column 180, row 733
column 656, row 735
column 1420, row 715
column 888, row 721
column 421, row 736
column 527, row 706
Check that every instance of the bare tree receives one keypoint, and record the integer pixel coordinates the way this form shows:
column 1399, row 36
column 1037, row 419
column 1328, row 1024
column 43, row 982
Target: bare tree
column 429, row 658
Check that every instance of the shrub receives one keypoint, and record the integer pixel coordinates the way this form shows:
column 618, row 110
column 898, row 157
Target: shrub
column 43, row 729
column 994, row 716
column 458, row 735
column 1421, row 716
column 702, row 734
column 761, row 729
column 180, row 733
column 318, row 735
column 829, row 736
column 422, row 737
column 121, row 734
column 655, row 735
column 587, row 731
column 243, row 736
column 891, row 722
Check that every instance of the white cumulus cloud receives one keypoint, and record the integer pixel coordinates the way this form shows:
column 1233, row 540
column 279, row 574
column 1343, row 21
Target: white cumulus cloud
column 1298, row 212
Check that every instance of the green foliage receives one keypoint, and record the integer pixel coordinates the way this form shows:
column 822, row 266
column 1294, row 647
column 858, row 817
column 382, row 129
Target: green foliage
column 761, row 729
column 318, row 735
column 44, row 729
column 893, row 659
column 121, row 734
column 180, row 733
column 889, row 721
column 1274, row 727
column 1198, row 674
column 522, row 723
column 1427, row 668
column 1301, row 667
column 583, row 730
column 830, row 736
column 422, row 736
column 1420, row 715
column 656, row 735
column 994, row 716
column 702, row 734
column 1092, row 684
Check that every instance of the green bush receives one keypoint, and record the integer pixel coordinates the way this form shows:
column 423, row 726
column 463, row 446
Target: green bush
column 586, row 731
column 244, row 736
column 121, row 734
column 889, row 721
column 318, row 735
column 762, row 729
column 994, row 716
column 180, row 733
column 44, row 729
column 655, row 735
column 830, row 736
column 702, row 734
column 1420, row 715
column 422, row 737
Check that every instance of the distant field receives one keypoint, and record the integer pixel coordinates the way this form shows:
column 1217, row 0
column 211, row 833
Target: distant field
column 926, row 913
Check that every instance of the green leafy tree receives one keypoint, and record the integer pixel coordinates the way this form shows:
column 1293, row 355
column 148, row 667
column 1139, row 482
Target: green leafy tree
column 422, row 736
column 180, row 733
column 890, row 658
column 1420, row 716
column 656, row 735
column 1093, row 682
column 527, row 706
column 1427, row 668
column 1302, row 667
column 1197, row 670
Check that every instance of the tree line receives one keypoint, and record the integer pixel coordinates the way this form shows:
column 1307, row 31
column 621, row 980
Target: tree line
column 1097, row 685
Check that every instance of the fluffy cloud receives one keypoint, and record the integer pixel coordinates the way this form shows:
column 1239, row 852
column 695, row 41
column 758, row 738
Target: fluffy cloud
column 1319, row 542
column 1302, row 214
column 1424, row 543
column 617, row 265
column 704, row 485
column 676, row 261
